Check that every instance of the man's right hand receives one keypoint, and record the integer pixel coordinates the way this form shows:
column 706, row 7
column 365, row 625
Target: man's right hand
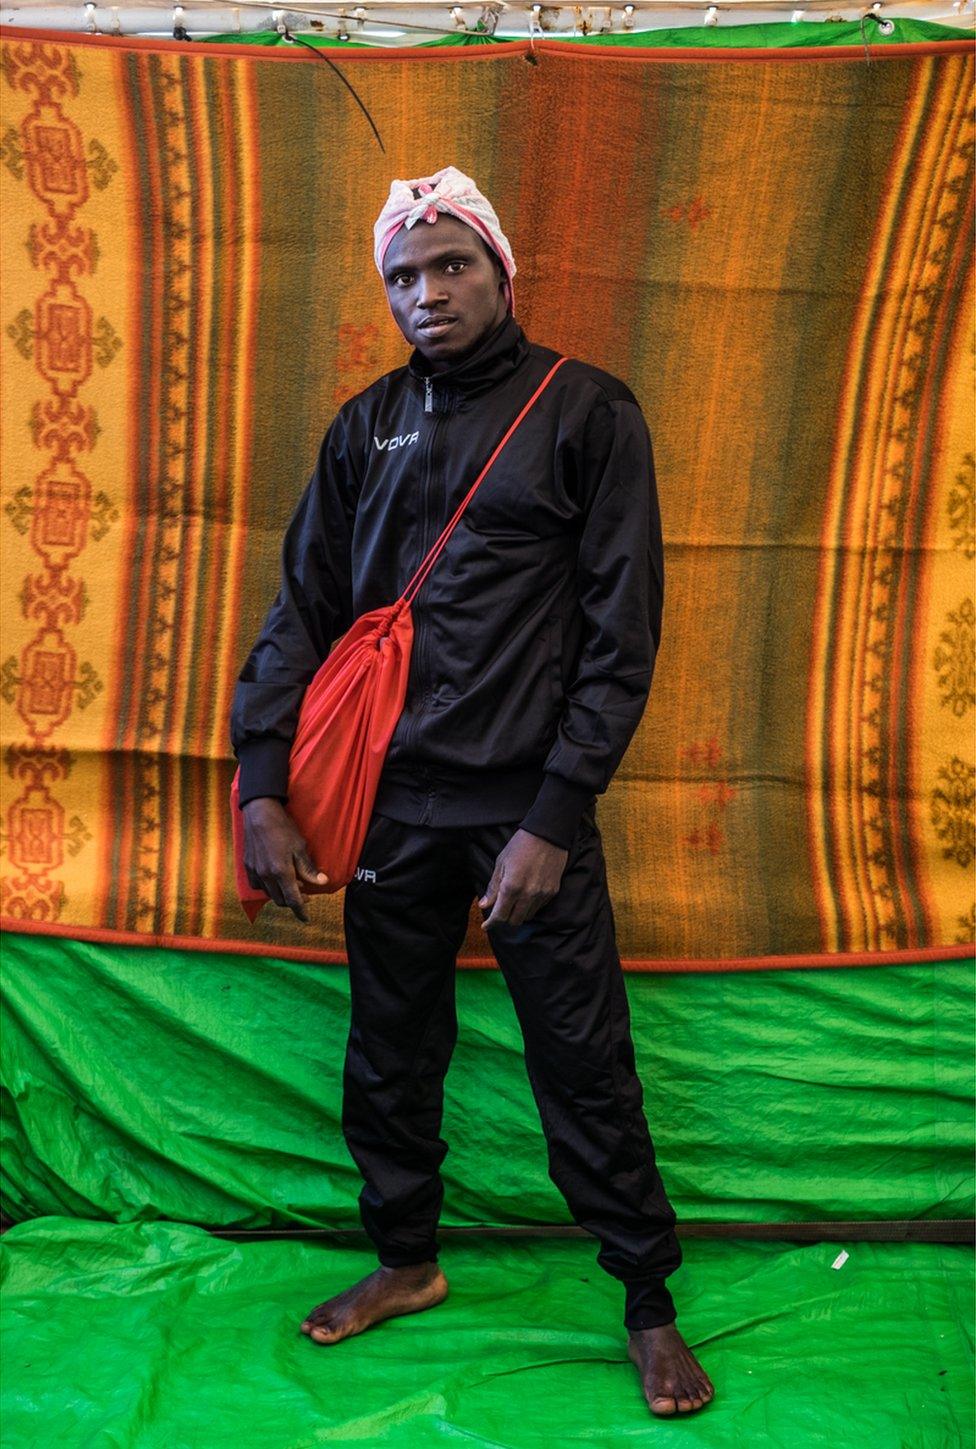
column 276, row 857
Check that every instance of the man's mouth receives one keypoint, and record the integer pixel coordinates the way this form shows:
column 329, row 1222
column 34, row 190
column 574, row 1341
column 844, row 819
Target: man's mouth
column 434, row 326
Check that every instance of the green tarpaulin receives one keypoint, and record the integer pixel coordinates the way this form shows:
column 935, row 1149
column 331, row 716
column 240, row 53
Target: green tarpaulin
column 205, row 1088
column 155, row 1336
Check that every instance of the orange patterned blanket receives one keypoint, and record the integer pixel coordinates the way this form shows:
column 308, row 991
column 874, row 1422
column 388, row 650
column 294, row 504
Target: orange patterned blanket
column 773, row 248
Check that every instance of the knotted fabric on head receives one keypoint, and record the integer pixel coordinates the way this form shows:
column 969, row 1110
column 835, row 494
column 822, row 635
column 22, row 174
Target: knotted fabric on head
column 447, row 190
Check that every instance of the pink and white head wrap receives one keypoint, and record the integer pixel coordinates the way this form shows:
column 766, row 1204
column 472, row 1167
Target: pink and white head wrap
column 447, row 190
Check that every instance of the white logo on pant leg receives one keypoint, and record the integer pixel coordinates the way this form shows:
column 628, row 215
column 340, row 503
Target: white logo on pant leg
column 369, row 876
column 397, row 441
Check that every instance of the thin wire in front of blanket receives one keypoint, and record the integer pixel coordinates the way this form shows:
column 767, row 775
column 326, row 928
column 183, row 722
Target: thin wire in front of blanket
column 317, row 50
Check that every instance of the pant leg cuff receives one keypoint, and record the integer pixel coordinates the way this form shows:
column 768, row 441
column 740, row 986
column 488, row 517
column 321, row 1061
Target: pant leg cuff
column 648, row 1304
column 405, row 1259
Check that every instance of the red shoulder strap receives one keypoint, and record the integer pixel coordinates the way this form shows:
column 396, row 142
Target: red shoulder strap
column 411, row 589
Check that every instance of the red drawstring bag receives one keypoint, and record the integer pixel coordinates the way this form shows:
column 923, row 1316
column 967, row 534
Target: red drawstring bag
column 347, row 717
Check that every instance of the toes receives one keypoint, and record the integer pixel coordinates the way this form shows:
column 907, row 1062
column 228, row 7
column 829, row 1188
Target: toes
column 692, row 1387
column 698, row 1385
column 662, row 1404
column 689, row 1398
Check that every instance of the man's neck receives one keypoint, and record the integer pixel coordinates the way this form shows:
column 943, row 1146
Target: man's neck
column 444, row 364
column 498, row 353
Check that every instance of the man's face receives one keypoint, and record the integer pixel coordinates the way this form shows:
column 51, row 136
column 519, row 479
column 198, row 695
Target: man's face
column 444, row 288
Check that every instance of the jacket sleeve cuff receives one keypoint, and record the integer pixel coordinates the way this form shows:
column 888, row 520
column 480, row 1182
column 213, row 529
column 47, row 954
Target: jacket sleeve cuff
column 264, row 769
column 555, row 813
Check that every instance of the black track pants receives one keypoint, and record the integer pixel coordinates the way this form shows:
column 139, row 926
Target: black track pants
column 405, row 917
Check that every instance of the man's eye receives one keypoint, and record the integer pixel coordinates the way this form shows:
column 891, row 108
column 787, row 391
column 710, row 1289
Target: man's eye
column 400, row 277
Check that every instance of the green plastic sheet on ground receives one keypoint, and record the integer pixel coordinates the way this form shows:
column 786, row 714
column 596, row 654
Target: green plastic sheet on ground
column 156, row 1336
column 141, row 1084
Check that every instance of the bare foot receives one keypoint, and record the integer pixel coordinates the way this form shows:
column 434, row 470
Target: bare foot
column 386, row 1293
column 674, row 1381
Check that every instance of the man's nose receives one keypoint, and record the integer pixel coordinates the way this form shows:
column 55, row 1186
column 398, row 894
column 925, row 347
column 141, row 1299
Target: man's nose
column 430, row 290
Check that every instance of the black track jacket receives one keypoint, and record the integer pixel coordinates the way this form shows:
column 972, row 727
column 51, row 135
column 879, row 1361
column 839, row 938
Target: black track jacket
column 537, row 629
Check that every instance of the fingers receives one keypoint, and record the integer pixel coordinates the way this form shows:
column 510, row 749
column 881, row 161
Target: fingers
column 492, row 891
column 490, row 897
column 292, row 897
column 306, row 867
column 512, row 907
column 508, row 901
column 511, row 911
column 514, row 894
column 499, row 913
column 527, row 875
column 281, row 886
column 271, row 845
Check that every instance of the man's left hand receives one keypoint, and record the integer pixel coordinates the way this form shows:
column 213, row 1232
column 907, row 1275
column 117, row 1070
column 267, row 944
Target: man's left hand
column 527, row 874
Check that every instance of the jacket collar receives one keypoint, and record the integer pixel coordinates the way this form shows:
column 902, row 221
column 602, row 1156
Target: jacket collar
column 496, row 357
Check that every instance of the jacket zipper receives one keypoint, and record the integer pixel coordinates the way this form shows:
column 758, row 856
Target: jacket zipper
column 420, row 636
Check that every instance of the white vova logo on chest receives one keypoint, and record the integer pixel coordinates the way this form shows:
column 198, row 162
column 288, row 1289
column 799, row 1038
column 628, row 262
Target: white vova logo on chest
column 399, row 440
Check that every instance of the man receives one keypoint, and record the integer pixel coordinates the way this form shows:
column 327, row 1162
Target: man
column 535, row 638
